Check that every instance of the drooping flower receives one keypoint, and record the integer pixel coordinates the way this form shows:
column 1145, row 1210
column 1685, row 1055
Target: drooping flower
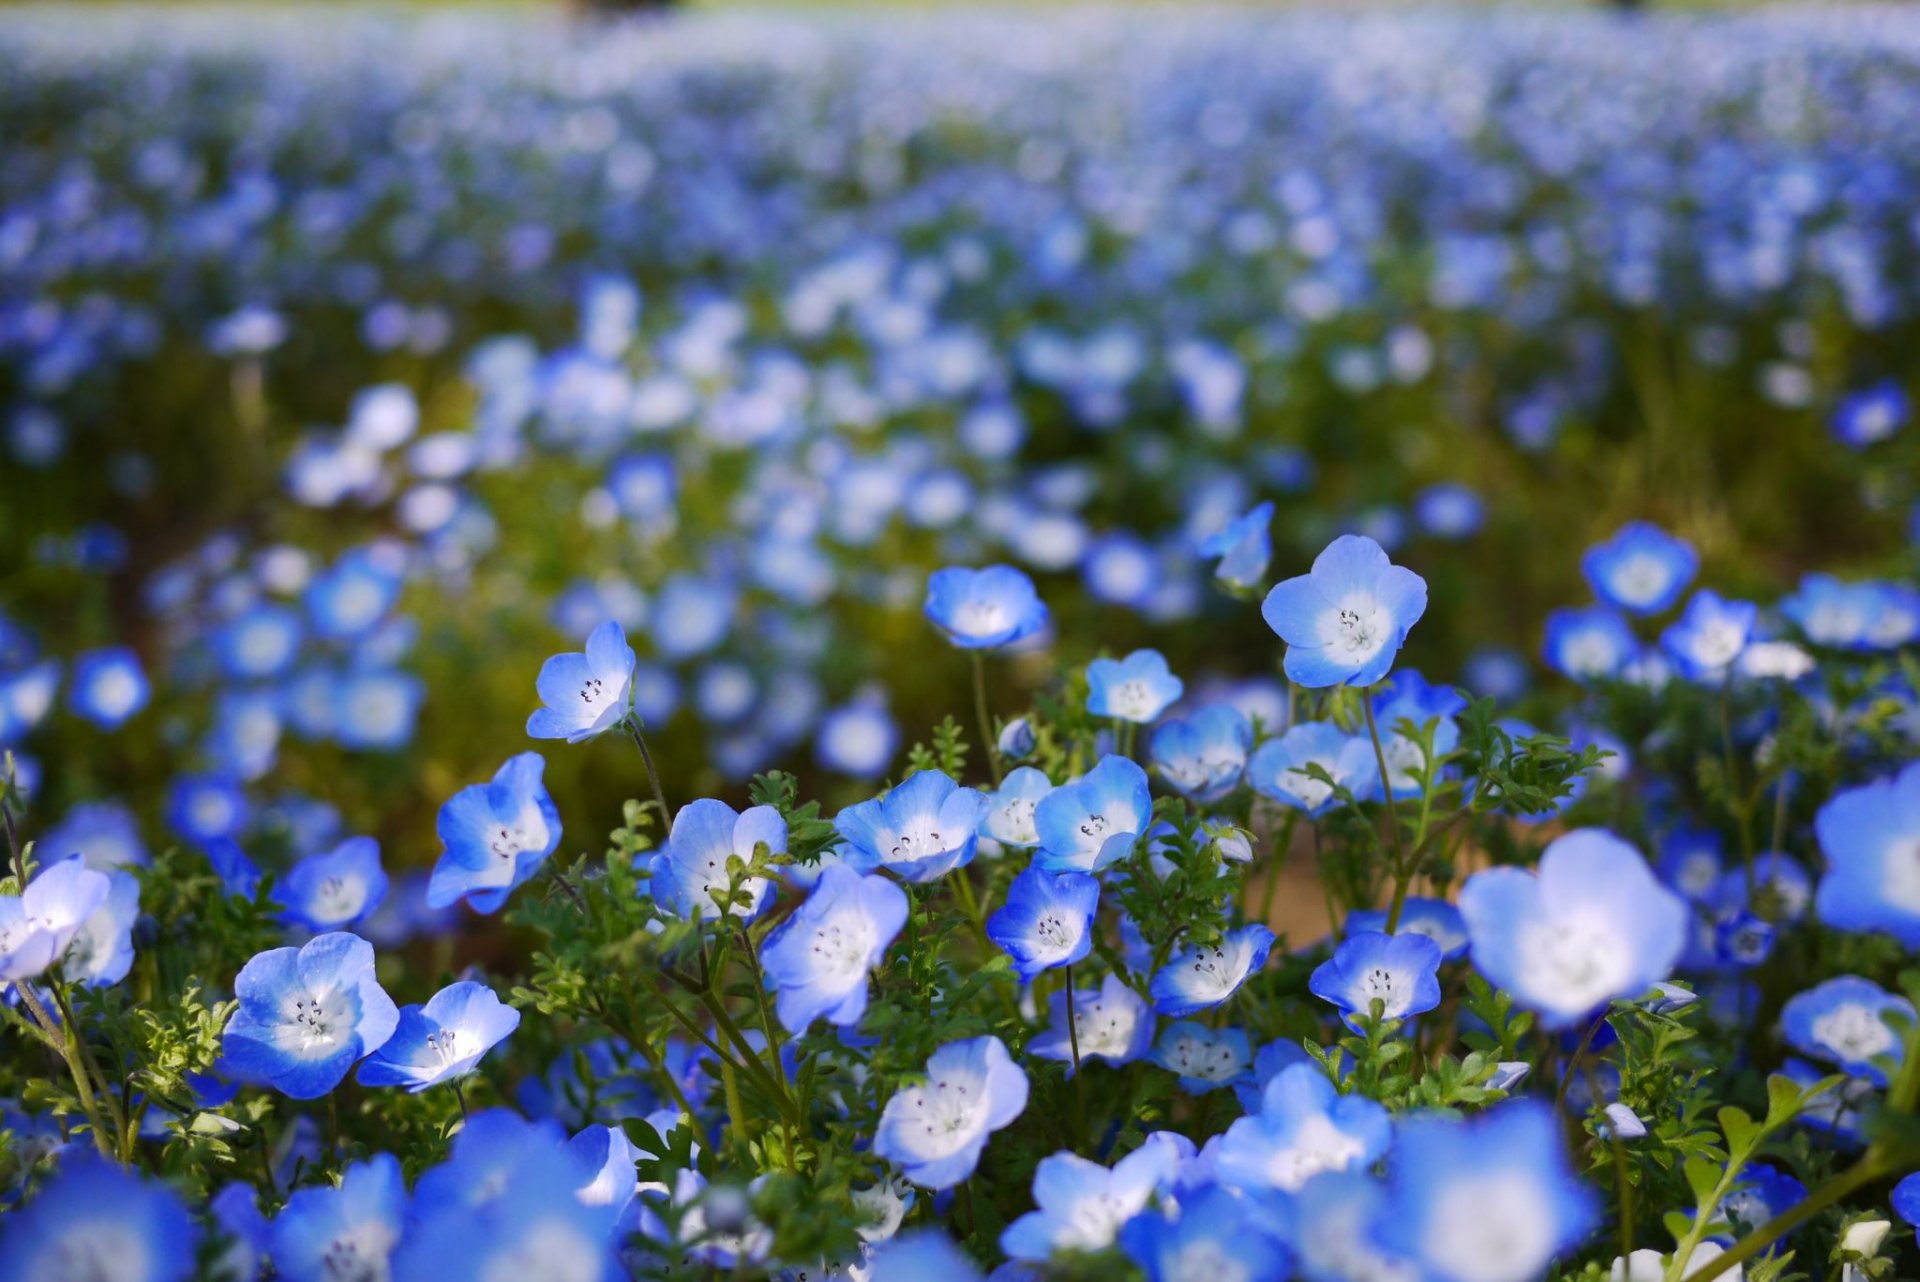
column 1843, row 1022
column 819, row 958
column 1016, row 740
column 1047, row 920
column 326, row 1232
column 984, row 609
column 1871, row 838
column 95, row 1220
column 1347, row 618
column 1009, row 818
column 1080, row 1205
column 1592, row 643
column 335, row 890
column 495, row 836
column 1304, row 1126
column 1278, row 767
column 1203, row 756
column 1709, row 636
column 1642, row 569
column 1094, row 821
column 38, row 925
column 692, row 870
column 936, row 1131
column 585, row 693
column 442, row 1040
column 1401, row 972
column 1137, row 688
column 307, row 1015
column 1203, row 1058
column 1112, row 1022
column 1202, row 976
column 108, row 686
column 1243, row 546
column 922, row 829
column 1213, row 1235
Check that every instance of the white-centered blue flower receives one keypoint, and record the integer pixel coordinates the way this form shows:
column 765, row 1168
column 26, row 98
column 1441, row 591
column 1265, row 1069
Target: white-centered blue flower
column 1346, row 619
column 92, row 1219
column 351, row 597
column 1592, row 643
column 1871, row 415
column 1642, row 569
column 690, row 877
column 1201, row 976
column 335, row 890
column 1016, row 741
column 1401, row 972
column 1335, row 1235
column 585, row 693
column 1202, row 756
column 441, row 1040
column 1212, row 1236
column 1843, row 1021
column 920, row 830
column 1304, row 1126
column 1113, row 1023
column 1204, row 1059
column 38, row 925
column 329, row 1232
column 984, row 609
column 307, row 1015
column 819, row 958
column 1871, row 838
column 495, row 836
column 1709, row 636
column 935, row 1131
column 1082, row 1204
column 1137, row 688
column 1412, row 700
column 1243, row 546
column 1437, row 919
column 1278, row 767
column 1009, row 817
column 1047, row 920
column 108, row 686
column 1093, row 822
column 101, row 952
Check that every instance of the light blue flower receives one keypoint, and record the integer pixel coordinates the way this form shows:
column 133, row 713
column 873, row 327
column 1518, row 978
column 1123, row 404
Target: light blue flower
column 26, row 697
column 307, row 1015
column 38, row 925
column 1346, row 619
column 1202, row 756
column 1642, row 569
column 1709, row 636
column 1304, row 1126
column 1412, row 699
column 1113, row 1023
column 259, row 643
column 1137, row 688
column 1277, row 769
column 1872, row 415
column 107, row 687
column 984, row 609
column 1212, row 1235
column 1834, row 613
column 1690, row 862
column 819, row 958
column 1869, row 835
column 604, row 1159
column 1336, row 1220
column 1591, row 926
column 1094, row 821
column 1047, row 920
column 585, row 693
column 1009, row 817
column 101, row 951
column 692, row 870
column 96, row 1220
column 1401, row 972
column 1843, row 1022
column 527, row 1220
column 352, row 597
column 1243, row 547
column 1437, row 919
column 1449, row 510
column 692, row 615
column 858, row 738
column 1082, row 1204
column 442, row 1040
column 328, row 1231
column 936, row 1131
column 1016, row 740
column 235, row 1214
column 1592, row 643
column 375, row 709
column 1202, row 976
column 1204, row 1059
column 495, row 836
column 924, row 1255
column 335, row 890
column 204, row 808
column 922, row 829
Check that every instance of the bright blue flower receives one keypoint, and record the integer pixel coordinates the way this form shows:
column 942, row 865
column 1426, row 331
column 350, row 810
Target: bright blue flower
column 204, row 808
column 107, row 687
column 1437, row 919
column 1868, row 417
column 1906, row 1199
column 238, row 874
column 1842, row 1021
column 101, row 952
column 819, row 958
column 335, row 890
column 1447, row 1176
column 442, row 1040
column 349, row 600
column 1047, row 920
column 1592, row 925
column 1203, row 756
column 1202, row 976
column 936, row 1131
column 1304, row 1126
column 1834, row 613
column 924, row 1255
column 1137, row 688
column 1869, row 835
column 26, row 697
column 1411, row 698
column 495, row 836
column 486, row 1151
column 1016, row 740
column 984, row 609
column 38, row 925
column 1112, row 1022
column 528, row 1221
column 1764, row 1191
column 1277, row 768
column 603, row 1159
column 1213, row 1235
column 1203, row 1058
column 921, row 830
column 1588, row 644
column 259, row 643
column 1690, row 862
column 1094, row 821
column 1009, row 818
column 692, row 870
column 307, row 1015
column 1401, row 971
column 585, row 694
column 1347, row 618
column 692, row 615
column 1642, row 569
column 328, row 1231
column 95, row 1220
column 235, row 1213
column 1243, row 546
column 1081, row 1204
column 1709, row 636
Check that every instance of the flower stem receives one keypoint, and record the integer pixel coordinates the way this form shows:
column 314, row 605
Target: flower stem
column 988, row 744
column 1073, row 1022
column 653, row 775
column 1402, row 873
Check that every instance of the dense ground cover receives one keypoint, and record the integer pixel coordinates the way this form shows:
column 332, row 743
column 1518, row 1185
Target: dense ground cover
column 388, row 403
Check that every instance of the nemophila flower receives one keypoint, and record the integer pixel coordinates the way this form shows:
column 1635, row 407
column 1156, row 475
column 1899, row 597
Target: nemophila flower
column 38, row 925
column 442, row 1040
column 1137, row 688
column 375, row 709
column 1870, row 416
column 494, row 836
column 307, row 1015
column 1773, row 661
column 1642, row 569
column 1112, row 1022
column 1844, row 1021
column 101, row 952
column 586, row 693
column 819, row 958
column 1203, row 756
column 1591, row 925
column 984, row 609
column 93, row 1219
column 691, row 615
column 107, row 686
column 1304, row 1127
column 26, row 697
column 1588, row 644
column 1906, row 1199
column 486, row 1151
column 925, row 1255
column 1243, row 547
column 1334, row 1221
column 1202, row 976
column 533, row 1226
column 1204, row 1059
column 235, row 1215
column 1095, row 821
column 1437, row 919
column 857, row 739
column 1047, row 920
column 1449, row 510
column 1763, row 1192
column 349, row 1230
column 1779, row 889
column 350, row 598
column 337, row 889
column 1278, row 767
column 603, row 1160
column 921, row 830
column 1490, row 1200
column 204, row 808
column 1016, row 740
column 1009, row 818
column 1401, row 972
column 1347, row 618
column 1411, row 699
column 1709, row 636
column 935, row 1131
column 1690, row 862
column 692, row 870
column 1870, row 836
column 1081, row 1204
column 1212, row 1235
column 258, row 643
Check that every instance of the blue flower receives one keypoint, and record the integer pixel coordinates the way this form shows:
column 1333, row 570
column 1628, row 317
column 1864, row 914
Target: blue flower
column 1906, row 1199
column 1437, row 919
column 692, row 870
column 1011, row 807
column 107, row 687
column 1203, row 1058
column 1344, row 621
column 350, row 599
column 1336, row 1223
column 235, row 1213
column 1589, row 644
column 924, row 1255
column 331, row 1231
column 920, row 831
column 259, row 643
column 307, row 1015
column 526, row 1220
column 204, row 808
column 337, row 889
column 375, row 709
column 585, row 694
column 1763, row 1192
column 1212, row 1235
column 1709, row 636
column 1868, row 835
column 1447, row 1176
column 1137, row 688
column 1842, row 1021
column 1868, row 417
column 101, row 951
column 1203, row 756
column 1304, row 1126
column 1402, row 972
column 1642, row 569
column 1096, row 820
column 1047, row 920
column 819, row 957
column 441, row 1040
column 1081, row 1204
column 858, row 739
column 1449, row 510
column 1591, row 926
column 1016, row 740
column 95, row 1220
column 38, row 925
column 1112, row 1022
column 495, row 836
column 1202, row 976
column 935, row 1131
column 1243, row 546
column 1690, row 862
column 984, row 609
column 1277, row 769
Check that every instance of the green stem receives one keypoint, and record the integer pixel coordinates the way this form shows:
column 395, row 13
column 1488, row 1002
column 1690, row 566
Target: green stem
column 82, row 1082
column 653, row 775
column 1073, row 1022
column 1402, row 873
column 989, row 745
column 1862, row 1173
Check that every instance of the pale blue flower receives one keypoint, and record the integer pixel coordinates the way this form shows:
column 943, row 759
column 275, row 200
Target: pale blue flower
column 936, row 1131
column 1642, row 569
column 1112, row 1022
column 1202, row 756
column 1843, row 1021
column 1082, row 1204
column 1011, row 808
column 1304, row 1126
column 1203, row 1058
column 335, row 890
column 1347, row 618
column 93, row 1219
column 820, row 957
column 1278, row 767
column 586, row 693
column 1401, row 972
column 984, row 609
column 1094, row 821
column 690, row 877
column 1137, row 688
column 326, row 1231
column 307, row 1015
column 494, row 836
column 442, row 1040
column 1869, row 836
column 1047, row 920
column 1709, row 636
column 921, row 830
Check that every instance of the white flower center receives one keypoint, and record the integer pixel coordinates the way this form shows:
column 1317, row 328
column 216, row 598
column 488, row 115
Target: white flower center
column 1495, row 1227
column 1855, row 1033
column 947, row 1113
column 1640, row 579
column 841, row 946
column 1577, row 964
column 97, row 1250
column 1318, row 1146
